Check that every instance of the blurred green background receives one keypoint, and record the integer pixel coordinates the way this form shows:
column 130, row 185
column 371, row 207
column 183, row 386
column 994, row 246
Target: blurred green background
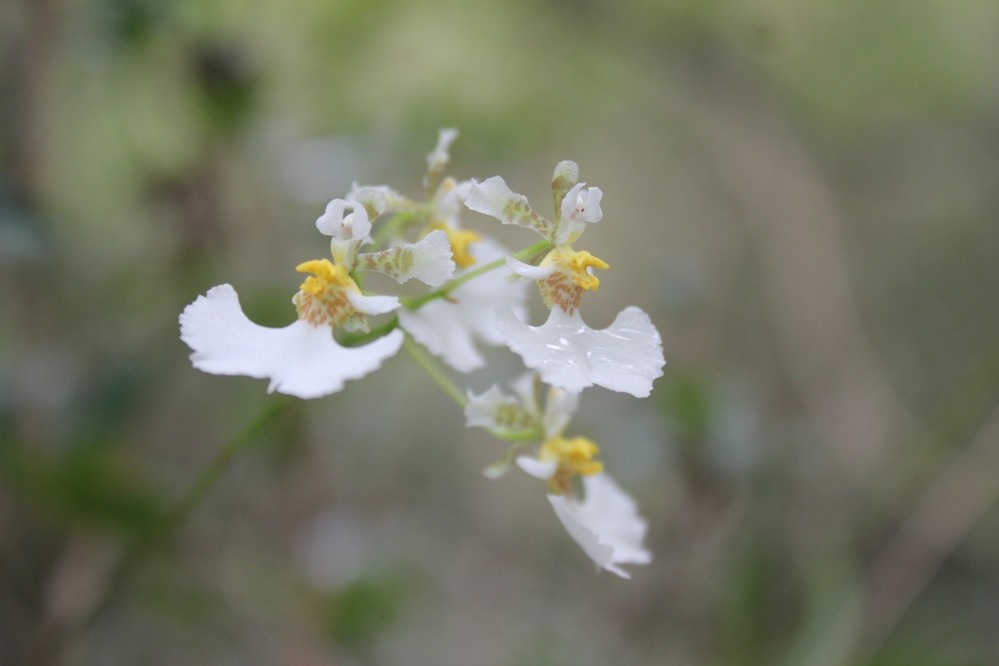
column 803, row 195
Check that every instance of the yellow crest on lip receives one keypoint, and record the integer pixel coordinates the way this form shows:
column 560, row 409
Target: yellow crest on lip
column 574, row 457
column 572, row 276
column 322, row 299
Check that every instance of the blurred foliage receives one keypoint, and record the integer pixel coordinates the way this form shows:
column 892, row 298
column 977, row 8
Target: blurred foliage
column 802, row 195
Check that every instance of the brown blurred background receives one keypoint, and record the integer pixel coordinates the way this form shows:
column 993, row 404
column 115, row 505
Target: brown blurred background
column 804, row 196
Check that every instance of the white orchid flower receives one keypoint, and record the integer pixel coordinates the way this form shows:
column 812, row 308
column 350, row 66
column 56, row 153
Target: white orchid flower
column 302, row 359
column 567, row 353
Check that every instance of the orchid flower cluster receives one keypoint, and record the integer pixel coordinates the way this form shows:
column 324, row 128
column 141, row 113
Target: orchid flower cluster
column 478, row 297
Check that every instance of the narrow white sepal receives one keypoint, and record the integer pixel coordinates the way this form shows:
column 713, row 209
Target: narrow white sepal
column 627, row 356
column 539, row 469
column 300, row 359
column 529, row 271
column 439, row 158
column 606, row 524
column 496, row 470
column 559, row 408
column 372, row 305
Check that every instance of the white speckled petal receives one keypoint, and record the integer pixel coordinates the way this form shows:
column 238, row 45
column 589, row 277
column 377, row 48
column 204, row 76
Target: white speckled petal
column 432, row 262
column 300, row 359
column 627, row 356
column 428, row 260
column 493, row 197
column 606, row 524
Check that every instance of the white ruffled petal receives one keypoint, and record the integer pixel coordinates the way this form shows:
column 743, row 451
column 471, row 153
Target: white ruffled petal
column 432, row 263
column 428, row 261
column 606, row 524
column 626, row 357
column 300, row 359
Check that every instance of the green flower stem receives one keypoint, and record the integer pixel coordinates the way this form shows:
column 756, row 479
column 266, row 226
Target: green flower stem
column 431, row 368
column 220, row 463
column 443, row 292
column 173, row 519
column 524, row 436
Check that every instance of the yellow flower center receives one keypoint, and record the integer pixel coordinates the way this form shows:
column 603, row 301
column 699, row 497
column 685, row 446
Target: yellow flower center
column 580, row 263
column 460, row 239
column 574, row 456
column 564, row 287
column 322, row 298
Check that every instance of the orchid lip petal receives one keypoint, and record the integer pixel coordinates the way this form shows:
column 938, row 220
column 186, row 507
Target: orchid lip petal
column 606, row 524
column 300, row 359
column 627, row 356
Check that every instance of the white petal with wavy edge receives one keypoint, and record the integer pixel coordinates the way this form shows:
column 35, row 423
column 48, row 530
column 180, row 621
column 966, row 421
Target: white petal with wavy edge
column 432, row 262
column 627, row 356
column 605, row 524
column 300, row 359
column 493, row 197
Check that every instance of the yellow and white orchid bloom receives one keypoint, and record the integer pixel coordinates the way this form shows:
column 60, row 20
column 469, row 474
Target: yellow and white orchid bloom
column 627, row 356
